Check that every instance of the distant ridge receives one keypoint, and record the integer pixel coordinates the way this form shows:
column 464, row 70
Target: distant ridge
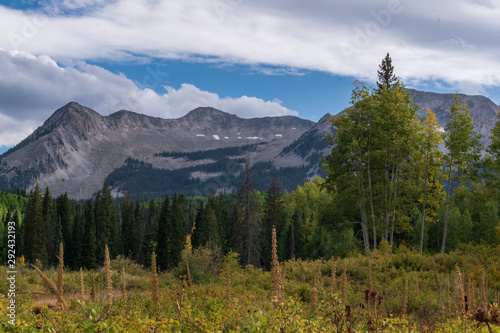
column 77, row 149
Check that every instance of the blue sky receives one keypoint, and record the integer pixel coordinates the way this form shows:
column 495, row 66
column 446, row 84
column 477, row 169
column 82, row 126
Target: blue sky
column 251, row 58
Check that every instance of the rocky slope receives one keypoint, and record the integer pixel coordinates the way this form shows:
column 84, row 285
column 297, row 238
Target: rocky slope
column 77, row 148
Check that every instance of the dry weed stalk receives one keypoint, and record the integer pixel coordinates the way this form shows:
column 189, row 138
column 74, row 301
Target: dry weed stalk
column 93, row 293
column 124, row 285
column 404, row 306
column 416, row 285
column 314, row 294
column 333, row 282
column 440, row 289
column 154, row 282
column 344, row 283
column 275, row 267
column 60, row 273
column 370, row 281
column 483, row 291
column 228, row 282
column 82, row 287
column 189, row 281
column 459, row 293
column 51, row 286
column 181, row 296
column 318, row 274
column 448, row 295
column 107, row 272
column 281, row 297
column 470, row 295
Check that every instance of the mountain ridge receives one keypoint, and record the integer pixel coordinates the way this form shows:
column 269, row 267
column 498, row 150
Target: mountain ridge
column 77, row 149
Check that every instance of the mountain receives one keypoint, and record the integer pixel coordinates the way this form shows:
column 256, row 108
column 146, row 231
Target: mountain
column 482, row 110
column 77, row 148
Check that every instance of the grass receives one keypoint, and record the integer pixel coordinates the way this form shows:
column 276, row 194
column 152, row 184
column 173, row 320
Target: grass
column 408, row 292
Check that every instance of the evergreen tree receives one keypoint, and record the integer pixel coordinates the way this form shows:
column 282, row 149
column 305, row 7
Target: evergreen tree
column 273, row 216
column 66, row 220
column 163, row 236
column 247, row 226
column 35, row 231
column 89, row 245
column 106, row 223
column 75, row 259
column 199, row 236
column 129, row 228
column 142, row 223
column 176, row 230
column 49, row 217
column 222, row 217
column 386, row 77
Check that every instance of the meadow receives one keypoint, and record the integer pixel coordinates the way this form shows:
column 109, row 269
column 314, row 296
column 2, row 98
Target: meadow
column 401, row 291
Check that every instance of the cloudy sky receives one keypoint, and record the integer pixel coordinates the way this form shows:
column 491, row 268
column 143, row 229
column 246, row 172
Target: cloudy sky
column 247, row 57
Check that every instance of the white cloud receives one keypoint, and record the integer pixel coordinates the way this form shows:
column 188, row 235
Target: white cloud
column 447, row 40
column 13, row 131
column 34, row 87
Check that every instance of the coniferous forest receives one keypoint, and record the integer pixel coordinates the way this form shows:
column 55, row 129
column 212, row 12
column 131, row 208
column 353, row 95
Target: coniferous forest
column 400, row 235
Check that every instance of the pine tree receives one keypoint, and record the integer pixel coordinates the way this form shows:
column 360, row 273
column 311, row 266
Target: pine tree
column 35, row 230
column 386, row 77
column 273, row 217
column 76, row 255
column 129, row 227
column 248, row 220
column 64, row 215
column 222, row 217
column 48, row 215
column 176, row 230
column 163, row 236
column 89, row 246
column 142, row 225
column 106, row 222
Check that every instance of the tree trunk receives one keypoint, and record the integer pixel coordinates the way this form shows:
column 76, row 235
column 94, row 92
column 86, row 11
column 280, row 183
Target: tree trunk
column 423, row 212
column 362, row 208
column 371, row 198
column 446, row 212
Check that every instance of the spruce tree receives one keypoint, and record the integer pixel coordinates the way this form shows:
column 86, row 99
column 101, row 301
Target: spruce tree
column 386, row 77
column 75, row 258
column 176, row 230
column 106, row 222
column 248, row 220
column 163, row 235
column 129, row 231
column 222, row 217
column 66, row 219
column 47, row 211
column 89, row 246
column 35, row 230
column 273, row 217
